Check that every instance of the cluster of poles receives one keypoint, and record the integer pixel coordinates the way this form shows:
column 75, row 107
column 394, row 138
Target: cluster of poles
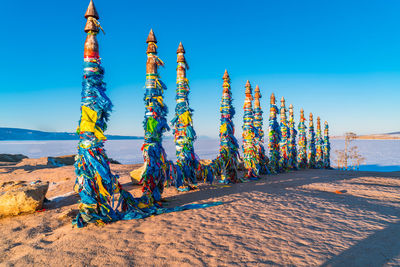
column 96, row 184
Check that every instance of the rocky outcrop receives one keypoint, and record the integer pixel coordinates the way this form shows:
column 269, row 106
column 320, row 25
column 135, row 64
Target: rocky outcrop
column 14, row 158
column 21, row 197
column 59, row 161
column 63, row 160
column 136, row 174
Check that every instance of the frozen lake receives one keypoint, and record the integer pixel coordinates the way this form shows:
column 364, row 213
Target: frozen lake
column 380, row 155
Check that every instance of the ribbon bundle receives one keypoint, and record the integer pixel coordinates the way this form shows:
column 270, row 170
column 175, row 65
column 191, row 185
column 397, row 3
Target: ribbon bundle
column 327, row 147
column 95, row 183
column 187, row 160
column 302, row 151
column 311, row 144
column 158, row 170
column 250, row 152
column 229, row 147
column 258, row 127
column 283, row 144
column 319, row 156
column 274, row 137
column 292, row 149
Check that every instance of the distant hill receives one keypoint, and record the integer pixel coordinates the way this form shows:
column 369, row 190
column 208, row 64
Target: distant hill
column 386, row 136
column 25, row 134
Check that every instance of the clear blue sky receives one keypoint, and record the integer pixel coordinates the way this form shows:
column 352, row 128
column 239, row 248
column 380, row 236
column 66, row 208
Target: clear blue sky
column 338, row 59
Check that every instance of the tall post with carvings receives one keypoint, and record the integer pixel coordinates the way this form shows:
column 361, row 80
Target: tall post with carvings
column 229, row 147
column 187, row 160
column 283, row 144
column 327, row 147
column 292, row 147
column 311, row 143
column 155, row 124
column 319, row 143
column 95, row 183
column 249, row 145
column 274, row 135
column 302, row 152
column 258, row 125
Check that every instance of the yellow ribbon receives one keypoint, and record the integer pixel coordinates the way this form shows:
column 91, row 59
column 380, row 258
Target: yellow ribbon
column 185, row 117
column 97, row 23
column 160, row 100
column 224, row 128
column 102, row 190
column 88, row 123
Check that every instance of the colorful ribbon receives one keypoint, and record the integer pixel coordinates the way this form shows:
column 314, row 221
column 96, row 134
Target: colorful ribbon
column 229, row 147
column 292, row 148
column 311, row 144
column 250, row 152
column 274, row 138
column 327, row 147
column 258, row 127
column 158, row 170
column 187, row 160
column 302, row 151
column 283, row 144
column 319, row 143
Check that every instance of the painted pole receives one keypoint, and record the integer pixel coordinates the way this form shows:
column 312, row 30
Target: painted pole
column 327, row 147
column 187, row 160
column 311, row 144
column 302, row 153
column 249, row 146
column 157, row 168
column 95, row 183
column 229, row 147
column 258, row 126
column 292, row 164
column 283, row 144
column 319, row 156
column 274, row 136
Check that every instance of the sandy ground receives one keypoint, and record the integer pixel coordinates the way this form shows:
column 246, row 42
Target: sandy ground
column 303, row 218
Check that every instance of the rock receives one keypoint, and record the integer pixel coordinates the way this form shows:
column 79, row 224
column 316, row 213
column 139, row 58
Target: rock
column 205, row 161
column 12, row 157
column 136, row 174
column 113, row 161
column 48, row 161
column 64, row 160
column 35, row 162
column 70, row 160
column 59, row 161
column 21, row 197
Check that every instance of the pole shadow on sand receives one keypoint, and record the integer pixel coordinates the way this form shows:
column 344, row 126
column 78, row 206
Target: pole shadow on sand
column 381, row 247
column 271, row 184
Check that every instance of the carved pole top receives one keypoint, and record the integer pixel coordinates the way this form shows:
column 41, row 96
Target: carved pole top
column 91, row 11
column 302, row 118
column 151, row 38
column 248, row 87
column 226, row 75
column 181, row 49
column 272, row 99
column 92, row 16
column 257, row 94
column 151, row 43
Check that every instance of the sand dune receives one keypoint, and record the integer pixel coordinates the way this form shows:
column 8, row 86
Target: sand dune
column 291, row 219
